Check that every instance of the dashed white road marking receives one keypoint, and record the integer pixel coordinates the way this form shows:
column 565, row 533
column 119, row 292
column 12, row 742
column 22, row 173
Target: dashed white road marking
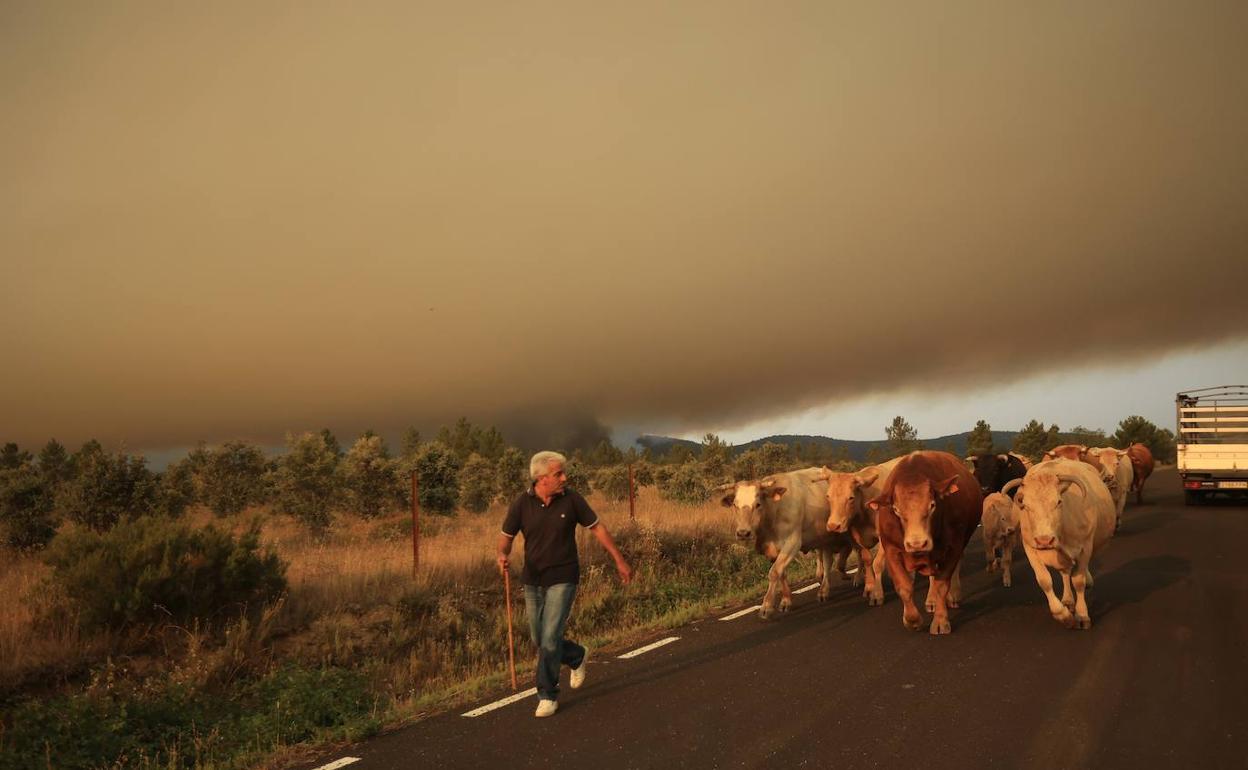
column 649, row 647
column 498, row 704
column 337, row 763
column 748, row 610
column 739, row 613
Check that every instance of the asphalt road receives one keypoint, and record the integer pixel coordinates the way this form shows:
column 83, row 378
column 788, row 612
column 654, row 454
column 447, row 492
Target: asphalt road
column 1161, row 679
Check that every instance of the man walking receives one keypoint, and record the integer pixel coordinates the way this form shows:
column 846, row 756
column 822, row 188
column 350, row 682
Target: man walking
column 548, row 514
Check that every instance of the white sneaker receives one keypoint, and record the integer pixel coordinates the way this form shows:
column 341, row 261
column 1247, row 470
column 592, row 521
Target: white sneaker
column 578, row 674
column 546, row 708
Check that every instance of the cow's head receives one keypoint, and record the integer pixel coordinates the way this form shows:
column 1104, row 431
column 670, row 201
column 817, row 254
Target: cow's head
column 915, row 505
column 990, row 471
column 845, row 495
column 746, row 499
column 1039, row 503
column 1109, row 460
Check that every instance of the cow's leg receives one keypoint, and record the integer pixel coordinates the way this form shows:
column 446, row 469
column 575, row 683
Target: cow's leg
column 954, row 598
column 938, row 593
column 826, row 558
column 904, row 584
column 776, row 582
column 1068, row 596
column 1079, row 580
column 1007, row 560
column 874, row 590
column 1045, row 580
column 930, row 603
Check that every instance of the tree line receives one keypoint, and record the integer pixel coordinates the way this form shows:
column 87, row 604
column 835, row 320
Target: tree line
column 463, row 466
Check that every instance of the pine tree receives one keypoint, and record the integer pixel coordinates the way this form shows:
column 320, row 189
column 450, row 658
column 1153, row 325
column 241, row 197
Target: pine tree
column 980, row 440
column 902, row 437
column 1032, row 440
column 368, row 479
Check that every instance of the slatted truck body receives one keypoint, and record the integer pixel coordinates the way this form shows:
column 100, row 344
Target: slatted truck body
column 1212, row 440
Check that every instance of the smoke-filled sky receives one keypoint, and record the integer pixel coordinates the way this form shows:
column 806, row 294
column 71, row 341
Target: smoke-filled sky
column 230, row 220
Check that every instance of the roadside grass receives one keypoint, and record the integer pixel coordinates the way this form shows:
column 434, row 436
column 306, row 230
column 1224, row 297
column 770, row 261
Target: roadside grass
column 356, row 645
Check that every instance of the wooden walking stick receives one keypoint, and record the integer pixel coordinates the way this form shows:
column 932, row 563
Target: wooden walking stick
column 511, row 645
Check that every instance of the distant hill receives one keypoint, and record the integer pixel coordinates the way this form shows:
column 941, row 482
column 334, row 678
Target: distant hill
column 1001, row 439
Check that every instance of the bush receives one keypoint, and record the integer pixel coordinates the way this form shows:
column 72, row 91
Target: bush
column 437, row 473
column 612, row 482
column 476, row 483
column 512, row 475
column 304, row 484
column 686, row 484
column 369, row 478
column 233, row 477
column 106, row 488
column 151, row 569
column 26, row 520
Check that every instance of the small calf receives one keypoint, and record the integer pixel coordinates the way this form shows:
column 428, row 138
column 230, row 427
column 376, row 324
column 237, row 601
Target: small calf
column 1000, row 529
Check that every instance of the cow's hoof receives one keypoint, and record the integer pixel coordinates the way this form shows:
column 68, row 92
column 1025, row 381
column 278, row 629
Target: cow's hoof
column 1065, row 617
column 1083, row 624
column 953, row 603
column 1005, row 581
column 929, row 606
column 765, row 613
column 913, row 623
column 785, row 604
column 823, row 595
column 939, row 627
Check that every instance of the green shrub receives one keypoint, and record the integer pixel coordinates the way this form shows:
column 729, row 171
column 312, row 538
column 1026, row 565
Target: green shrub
column 686, row 484
column 305, row 484
column 26, row 520
column 476, row 483
column 232, row 477
column 150, row 569
column 106, row 488
column 369, row 478
column 437, row 473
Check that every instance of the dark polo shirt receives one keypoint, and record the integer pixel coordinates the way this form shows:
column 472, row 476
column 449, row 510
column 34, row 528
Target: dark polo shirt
column 549, row 535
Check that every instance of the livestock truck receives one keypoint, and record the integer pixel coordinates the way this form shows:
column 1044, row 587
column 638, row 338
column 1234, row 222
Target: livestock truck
column 1212, row 439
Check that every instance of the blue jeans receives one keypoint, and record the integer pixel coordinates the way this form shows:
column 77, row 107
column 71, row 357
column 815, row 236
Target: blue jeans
column 548, row 608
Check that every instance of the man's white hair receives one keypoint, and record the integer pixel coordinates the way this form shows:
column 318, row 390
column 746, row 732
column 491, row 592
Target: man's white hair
column 541, row 462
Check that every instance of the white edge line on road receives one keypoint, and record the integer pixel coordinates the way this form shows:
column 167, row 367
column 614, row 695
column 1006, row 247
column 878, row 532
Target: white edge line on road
column 804, row 589
column 649, row 647
column 498, row 704
column 338, row 763
column 748, row 610
column 739, row 613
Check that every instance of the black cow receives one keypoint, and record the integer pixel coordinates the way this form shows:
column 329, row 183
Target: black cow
column 994, row 471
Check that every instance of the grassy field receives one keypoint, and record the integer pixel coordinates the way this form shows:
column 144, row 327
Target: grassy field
column 356, row 644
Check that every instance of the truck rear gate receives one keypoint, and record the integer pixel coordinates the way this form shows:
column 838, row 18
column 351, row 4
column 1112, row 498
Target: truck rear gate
column 1212, row 440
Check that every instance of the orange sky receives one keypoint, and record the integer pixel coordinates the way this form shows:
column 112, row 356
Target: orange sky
column 237, row 219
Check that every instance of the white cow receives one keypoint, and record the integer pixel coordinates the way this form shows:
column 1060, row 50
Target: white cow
column 1118, row 474
column 783, row 514
column 1065, row 515
column 1000, row 531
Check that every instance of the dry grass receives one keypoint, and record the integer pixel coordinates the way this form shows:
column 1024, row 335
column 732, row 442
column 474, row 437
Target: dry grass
column 337, row 584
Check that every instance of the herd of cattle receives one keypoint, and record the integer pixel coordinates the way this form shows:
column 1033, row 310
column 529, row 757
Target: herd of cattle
column 922, row 509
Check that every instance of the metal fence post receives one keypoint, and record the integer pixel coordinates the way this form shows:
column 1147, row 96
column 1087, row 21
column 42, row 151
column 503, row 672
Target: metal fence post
column 415, row 525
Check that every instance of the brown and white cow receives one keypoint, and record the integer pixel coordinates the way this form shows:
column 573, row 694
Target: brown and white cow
column 1065, row 515
column 1118, row 475
column 928, row 510
column 1142, row 463
column 1073, row 452
column 1000, row 530
column 848, row 494
column 784, row 514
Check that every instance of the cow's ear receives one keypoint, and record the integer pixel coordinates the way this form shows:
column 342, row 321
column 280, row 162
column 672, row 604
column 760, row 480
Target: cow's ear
column 776, row 492
column 877, row 503
column 866, row 477
column 729, row 499
column 947, row 487
column 1004, row 458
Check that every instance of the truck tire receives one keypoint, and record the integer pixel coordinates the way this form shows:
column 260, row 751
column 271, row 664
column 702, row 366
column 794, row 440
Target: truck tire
column 1193, row 497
